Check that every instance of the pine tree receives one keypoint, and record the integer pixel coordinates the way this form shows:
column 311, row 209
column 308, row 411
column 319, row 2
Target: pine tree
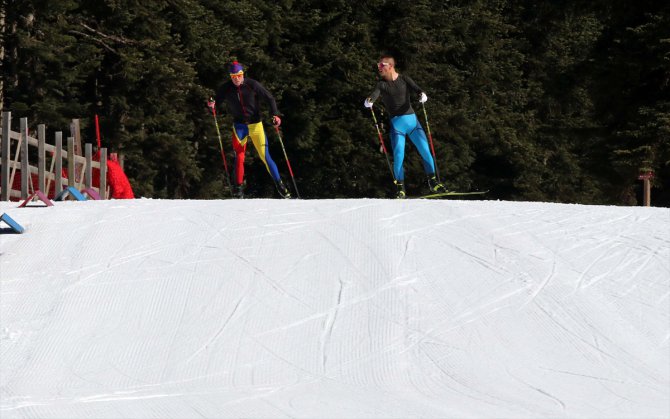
column 632, row 96
column 143, row 87
column 559, row 41
column 44, row 68
column 563, row 101
column 321, row 67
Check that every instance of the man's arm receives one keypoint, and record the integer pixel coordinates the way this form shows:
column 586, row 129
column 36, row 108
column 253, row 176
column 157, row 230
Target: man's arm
column 375, row 94
column 265, row 94
column 412, row 85
column 220, row 96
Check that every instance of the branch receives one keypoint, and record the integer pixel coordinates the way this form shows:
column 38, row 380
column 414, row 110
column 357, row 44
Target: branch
column 97, row 40
column 114, row 38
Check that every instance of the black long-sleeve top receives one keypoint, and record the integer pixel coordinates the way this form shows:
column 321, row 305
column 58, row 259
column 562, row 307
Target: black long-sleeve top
column 395, row 94
column 243, row 101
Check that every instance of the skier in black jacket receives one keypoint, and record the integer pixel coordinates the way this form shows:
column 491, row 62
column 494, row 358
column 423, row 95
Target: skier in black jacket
column 241, row 96
column 394, row 89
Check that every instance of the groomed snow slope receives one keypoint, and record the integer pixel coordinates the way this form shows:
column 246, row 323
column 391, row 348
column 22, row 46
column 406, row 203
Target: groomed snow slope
column 335, row 308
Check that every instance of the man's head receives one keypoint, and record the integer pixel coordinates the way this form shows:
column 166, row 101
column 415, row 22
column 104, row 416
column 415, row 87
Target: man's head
column 386, row 66
column 236, row 73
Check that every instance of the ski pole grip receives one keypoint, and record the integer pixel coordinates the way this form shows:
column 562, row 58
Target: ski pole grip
column 211, row 104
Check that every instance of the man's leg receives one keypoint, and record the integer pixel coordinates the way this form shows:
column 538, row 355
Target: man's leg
column 239, row 140
column 398, row 147
column 258, row 138
column 418, row 137
column 257, row 134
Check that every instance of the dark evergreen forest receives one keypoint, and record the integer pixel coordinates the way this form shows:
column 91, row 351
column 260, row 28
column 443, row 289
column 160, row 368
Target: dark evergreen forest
column 561, row 101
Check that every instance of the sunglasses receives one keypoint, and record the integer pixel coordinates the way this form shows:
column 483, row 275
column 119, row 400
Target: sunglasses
column 236, row 76
column 382, row 65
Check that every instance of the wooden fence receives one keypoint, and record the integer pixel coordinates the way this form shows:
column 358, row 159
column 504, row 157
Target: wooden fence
column 13, row 158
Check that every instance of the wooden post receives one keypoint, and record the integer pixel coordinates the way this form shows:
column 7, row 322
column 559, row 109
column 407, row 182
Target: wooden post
column 88, row 173
column 103, row 173
column 646, row 178
column 75, row 132
column 25, row 171
column 71, row 176
column 41, row 157
column 3, row 35
column 4, row 155
column 58, row 171
column 14, row 163
column 647, row 193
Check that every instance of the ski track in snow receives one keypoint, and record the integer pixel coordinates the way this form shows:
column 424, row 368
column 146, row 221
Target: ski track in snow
column 335, row 308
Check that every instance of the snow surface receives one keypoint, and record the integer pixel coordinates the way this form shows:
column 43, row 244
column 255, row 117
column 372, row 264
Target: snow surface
column 335, row 308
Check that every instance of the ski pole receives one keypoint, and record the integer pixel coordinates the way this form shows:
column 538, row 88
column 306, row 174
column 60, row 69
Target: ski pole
column 430, row 139
column 212, row 106
column 288, row 163
column 381, row 141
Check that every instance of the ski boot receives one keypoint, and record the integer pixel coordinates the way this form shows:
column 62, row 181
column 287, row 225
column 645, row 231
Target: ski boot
column 435, row 186
column 400, row 194
column 283, row 190
column 238, row 191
